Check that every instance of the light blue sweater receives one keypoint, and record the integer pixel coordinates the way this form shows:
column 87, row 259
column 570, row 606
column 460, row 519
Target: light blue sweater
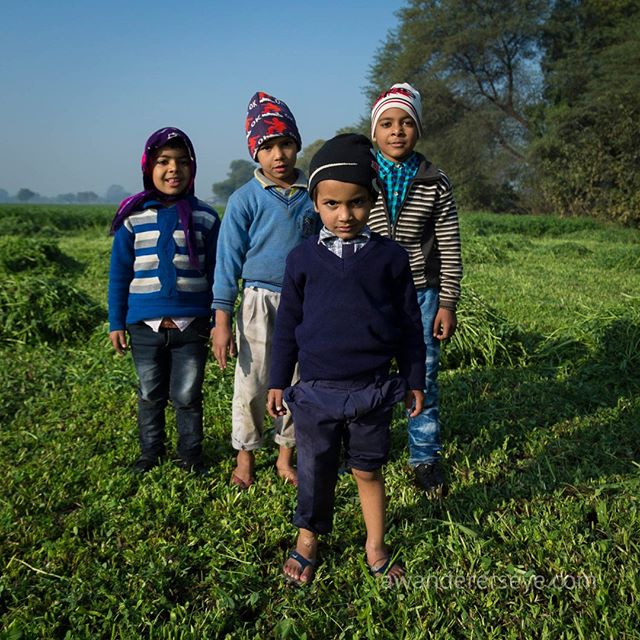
column 259, row 228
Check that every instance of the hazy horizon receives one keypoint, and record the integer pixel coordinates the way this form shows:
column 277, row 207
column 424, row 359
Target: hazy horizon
column 85, row 84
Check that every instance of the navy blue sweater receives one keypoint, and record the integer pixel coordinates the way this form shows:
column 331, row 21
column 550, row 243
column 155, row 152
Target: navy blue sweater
column 345, row 319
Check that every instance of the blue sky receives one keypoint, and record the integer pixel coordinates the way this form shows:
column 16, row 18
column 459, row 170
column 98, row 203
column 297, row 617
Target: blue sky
column 83, row 83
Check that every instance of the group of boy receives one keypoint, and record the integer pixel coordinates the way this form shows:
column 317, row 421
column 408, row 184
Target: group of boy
column 340, row 275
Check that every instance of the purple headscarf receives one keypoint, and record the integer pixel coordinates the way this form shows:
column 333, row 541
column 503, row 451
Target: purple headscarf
column 183, row 205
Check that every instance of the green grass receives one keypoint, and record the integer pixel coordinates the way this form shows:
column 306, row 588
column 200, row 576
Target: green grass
column 538, row 537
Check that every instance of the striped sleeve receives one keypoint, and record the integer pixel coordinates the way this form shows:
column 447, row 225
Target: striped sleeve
column 447, row 232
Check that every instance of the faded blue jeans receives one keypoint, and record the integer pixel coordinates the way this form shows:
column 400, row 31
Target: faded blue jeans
column 424, row 429
column 170, row 366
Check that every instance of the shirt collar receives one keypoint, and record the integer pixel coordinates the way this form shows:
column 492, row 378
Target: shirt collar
column 412, row 162
column 327, row 236
column 267, row 183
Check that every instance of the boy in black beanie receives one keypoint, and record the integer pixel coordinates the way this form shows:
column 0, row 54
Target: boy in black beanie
column 348, row 308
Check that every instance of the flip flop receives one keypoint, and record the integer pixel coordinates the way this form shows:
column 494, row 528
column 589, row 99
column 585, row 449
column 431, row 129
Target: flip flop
column 240, row 483
column 381, row 571
column 304, row 563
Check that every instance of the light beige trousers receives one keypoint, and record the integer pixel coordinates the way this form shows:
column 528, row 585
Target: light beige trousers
column 255, row 323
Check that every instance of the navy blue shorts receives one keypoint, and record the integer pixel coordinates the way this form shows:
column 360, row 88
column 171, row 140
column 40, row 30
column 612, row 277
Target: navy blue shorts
column 331, row 417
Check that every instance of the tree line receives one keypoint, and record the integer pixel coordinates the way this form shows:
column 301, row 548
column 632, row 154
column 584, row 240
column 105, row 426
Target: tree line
column 114, row 194
column 528, row 105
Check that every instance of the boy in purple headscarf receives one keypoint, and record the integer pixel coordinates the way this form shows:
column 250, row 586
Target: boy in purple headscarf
column 160, row 282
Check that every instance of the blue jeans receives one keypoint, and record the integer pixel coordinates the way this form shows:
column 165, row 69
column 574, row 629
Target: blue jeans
column 424, row 429
column 170, row 366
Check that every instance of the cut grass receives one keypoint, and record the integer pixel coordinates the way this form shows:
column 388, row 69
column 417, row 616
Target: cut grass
column 537, row 538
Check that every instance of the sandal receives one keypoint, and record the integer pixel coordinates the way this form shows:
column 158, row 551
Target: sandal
column 383, row 570
column 243, row 485
column 304, row 563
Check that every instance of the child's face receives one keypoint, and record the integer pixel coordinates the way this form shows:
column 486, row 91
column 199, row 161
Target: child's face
column 344, row 207
column 277, row 158
column 171, row 172
column 396, row 133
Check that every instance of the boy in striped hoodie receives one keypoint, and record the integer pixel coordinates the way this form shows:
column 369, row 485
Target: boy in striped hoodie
column 160, row 280
column 417, row 209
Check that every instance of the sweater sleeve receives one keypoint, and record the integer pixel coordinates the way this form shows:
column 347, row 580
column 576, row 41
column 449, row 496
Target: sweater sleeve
column 233, row 244
column 411, row 351
column 284, row 347
column 120, row 276
column 211, row 246
column 447, row 232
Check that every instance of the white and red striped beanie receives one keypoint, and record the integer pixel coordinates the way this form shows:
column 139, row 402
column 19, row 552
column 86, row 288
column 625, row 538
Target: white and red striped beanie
column 400, row 96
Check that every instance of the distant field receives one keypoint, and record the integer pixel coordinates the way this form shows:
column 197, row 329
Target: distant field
column 538, row 538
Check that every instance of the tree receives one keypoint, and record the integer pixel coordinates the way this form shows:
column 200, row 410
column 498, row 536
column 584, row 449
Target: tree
column 307, row 153
column 4, row 195
column 87, row 197
column 66, row 197
column 585, row 159
column 476, row 66
column 240, row 171
column 116, row 193
column 24, row 195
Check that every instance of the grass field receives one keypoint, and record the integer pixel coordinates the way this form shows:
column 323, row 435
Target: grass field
column 538, row 538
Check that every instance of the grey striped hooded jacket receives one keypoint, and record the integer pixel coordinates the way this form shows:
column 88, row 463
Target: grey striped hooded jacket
column 427, row 227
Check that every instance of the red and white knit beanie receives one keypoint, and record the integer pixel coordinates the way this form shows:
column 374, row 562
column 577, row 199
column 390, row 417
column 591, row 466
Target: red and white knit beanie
column 401, row 96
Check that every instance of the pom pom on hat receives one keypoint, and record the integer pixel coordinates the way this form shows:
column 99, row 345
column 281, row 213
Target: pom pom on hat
column 268, row 117
column 400, row 96
column 349, row 157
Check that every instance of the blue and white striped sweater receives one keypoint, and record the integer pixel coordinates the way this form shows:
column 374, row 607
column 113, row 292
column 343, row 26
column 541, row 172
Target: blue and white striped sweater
column 150, row 274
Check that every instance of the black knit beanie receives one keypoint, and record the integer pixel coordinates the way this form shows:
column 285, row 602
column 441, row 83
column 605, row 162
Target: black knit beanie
column 348, row 157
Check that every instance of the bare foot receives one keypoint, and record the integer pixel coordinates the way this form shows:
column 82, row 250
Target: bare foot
column 301, row 571
column 380, row 564
column 284, row 466
column 288, row 474
column 242, row 475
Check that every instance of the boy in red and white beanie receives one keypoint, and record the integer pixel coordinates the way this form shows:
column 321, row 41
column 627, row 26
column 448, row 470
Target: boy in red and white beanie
column 401, row 96
column 416, row 208
column 264, row 220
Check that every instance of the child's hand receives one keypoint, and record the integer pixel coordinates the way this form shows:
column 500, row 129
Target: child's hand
column 445, row 324
column 222, row 339
column 274, row 403
column 414, row 402
column 119, row 341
